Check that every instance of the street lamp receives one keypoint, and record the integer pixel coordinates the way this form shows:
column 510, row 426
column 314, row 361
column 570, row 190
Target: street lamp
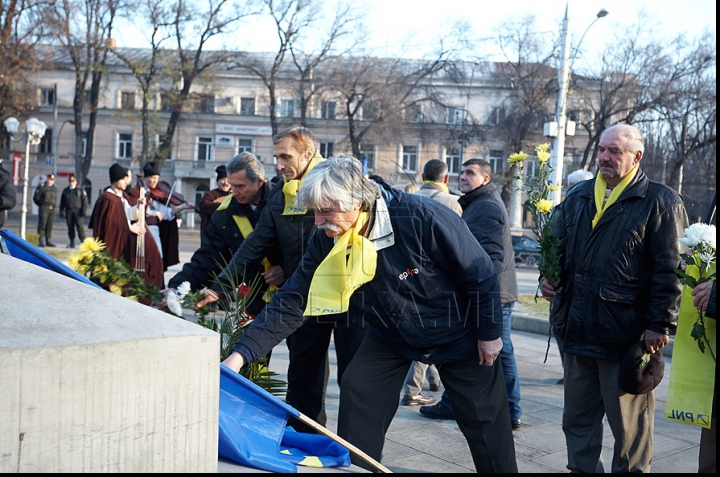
column 34, row 131
column 558, row 148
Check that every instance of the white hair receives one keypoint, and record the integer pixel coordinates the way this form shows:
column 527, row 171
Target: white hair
column 578, row 176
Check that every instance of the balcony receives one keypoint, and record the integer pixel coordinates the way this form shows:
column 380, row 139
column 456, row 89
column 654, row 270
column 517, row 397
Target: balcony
column 193, row 169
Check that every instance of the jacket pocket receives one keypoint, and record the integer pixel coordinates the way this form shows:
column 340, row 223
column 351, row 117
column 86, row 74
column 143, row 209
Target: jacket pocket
column 618, row 324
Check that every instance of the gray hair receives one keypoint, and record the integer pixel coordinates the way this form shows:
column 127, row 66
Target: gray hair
column 338, row 180
column 630, row 134
column 249, row 163
column 578, row 176
column 435, row 170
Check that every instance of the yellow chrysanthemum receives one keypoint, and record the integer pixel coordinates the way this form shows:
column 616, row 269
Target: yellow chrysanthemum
column 517, row 157
column 554, row 187
column 543, row 156
column 544, row 206
column 115, row 289
column 132, row 298
column 541, row 148
column 75, row 264
column 91, row 246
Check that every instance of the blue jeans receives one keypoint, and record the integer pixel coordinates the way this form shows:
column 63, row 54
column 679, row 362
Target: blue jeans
column 507, row 357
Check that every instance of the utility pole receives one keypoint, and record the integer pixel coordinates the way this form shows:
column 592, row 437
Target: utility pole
column 54, row 130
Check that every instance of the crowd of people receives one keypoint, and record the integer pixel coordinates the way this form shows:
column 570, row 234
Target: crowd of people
column 419, row 284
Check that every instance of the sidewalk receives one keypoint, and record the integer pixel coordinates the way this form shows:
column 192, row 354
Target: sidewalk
column 418, row 444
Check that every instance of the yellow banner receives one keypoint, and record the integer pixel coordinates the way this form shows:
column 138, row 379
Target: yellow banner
column 692, row 373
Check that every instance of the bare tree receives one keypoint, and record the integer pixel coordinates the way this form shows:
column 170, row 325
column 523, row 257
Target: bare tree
column 193, row 25
column 84, row 29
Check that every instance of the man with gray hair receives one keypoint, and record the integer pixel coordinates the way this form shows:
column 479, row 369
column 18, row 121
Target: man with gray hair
column 619, row 251
column 578, row 176
column 413, row 272
column 229, row 226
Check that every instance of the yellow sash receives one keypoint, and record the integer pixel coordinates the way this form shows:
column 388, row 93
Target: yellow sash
column 291, row 188
column 601, row 187
column 442, row 185
column 246, row 228
column 340, row 274
column 692, row 378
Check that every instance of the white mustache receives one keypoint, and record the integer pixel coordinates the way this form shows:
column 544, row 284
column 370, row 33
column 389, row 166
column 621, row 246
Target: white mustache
column 330, row 227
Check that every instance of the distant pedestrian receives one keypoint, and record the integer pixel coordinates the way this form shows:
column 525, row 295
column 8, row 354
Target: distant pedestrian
column 8, row 194
column 73, row 204
column 45, row 198
column 212, row 199
column 411, row 188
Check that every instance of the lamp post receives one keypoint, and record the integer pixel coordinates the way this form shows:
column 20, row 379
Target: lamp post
column 34, row 131
column 558, row 147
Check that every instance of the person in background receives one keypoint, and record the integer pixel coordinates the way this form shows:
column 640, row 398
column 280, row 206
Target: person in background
column 486, row 216
column 73, row 204
column 8, row 194
column 45, row 198
column 371, row 258
column 212, row 199
column 410, row 188
column 619, row 252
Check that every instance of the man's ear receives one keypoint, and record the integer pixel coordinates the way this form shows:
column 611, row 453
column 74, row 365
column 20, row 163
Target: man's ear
column 446, row 178
column 423, row 176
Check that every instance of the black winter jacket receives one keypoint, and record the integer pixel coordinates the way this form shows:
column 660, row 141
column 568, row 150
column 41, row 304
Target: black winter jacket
column 274, row 233
column 618, row 279
column 434, row 295
column 45, row 196
column 8, row 197
column 220, row 240
column 73, row 200
column 487, row 218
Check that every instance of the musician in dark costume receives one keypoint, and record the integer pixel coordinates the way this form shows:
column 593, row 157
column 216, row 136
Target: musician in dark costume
column 111, row 223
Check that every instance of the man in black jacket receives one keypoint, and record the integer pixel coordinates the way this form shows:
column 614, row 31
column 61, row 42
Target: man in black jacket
column 486, row 216
column 411, row 269
column 228, row 227
column 45, row 198
column 287, row 228
column 8, row 195
column 73, row 203
column 620, row 248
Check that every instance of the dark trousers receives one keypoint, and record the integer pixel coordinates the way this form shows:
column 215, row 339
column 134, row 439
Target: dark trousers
column 308, row 368
column 369, row 401
column 74, row 221
column 46, row 215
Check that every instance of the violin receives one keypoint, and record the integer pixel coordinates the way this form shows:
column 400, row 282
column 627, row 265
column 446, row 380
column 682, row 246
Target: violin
column 162, row 193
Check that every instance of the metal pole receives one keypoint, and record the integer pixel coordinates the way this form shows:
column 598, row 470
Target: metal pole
column 26, row 183
column 558, row 148
column 55, row 137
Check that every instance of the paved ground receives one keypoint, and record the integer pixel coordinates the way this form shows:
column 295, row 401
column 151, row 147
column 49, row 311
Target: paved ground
column 417, row 444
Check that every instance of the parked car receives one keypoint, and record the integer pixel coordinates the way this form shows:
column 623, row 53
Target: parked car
column 527, row 250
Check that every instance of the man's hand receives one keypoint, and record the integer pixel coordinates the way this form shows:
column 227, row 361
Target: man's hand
column 489, row 351
column 235, row 361
column 273, row 275
column 166, row 291
column 211, row 296
column 655, row 341
column 137, row 230
column 547, row 289
column 702, row 295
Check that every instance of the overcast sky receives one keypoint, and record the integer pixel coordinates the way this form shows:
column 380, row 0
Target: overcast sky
column 393, row 21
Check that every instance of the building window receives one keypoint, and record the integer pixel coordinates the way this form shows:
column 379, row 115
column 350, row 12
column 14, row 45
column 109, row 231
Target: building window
column 329, row 109
column 200, row 190
column 87, row 98
column 369, row 112
column 409, row 158
column 327, row 149
column 452, row 159
column 204, row 148
column 368, row 152
column 125, row 145
column 127, row 100
column 47, row 96
column 531, row 167
column 413, row 113
column 166, row 102
column 456, row 115
column 495, row 160
column 287, row 108
column 247, row 106
column 497, row 115
column 203, row 105
column 245, row 145
column 46, row 142
column 84, row 143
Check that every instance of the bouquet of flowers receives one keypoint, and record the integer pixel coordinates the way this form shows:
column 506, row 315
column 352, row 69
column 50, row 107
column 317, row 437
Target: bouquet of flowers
column 538, row 189
column 700, row 240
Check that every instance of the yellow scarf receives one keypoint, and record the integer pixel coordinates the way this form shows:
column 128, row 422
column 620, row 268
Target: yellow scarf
column 340, row 274
column 601, row 187
column 291, row 188
column 246, row 228
column 442, row 185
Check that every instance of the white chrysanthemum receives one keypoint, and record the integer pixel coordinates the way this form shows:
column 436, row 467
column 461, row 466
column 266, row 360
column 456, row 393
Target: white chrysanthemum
column 183, row 290
column 699, row 233
column 173, row 304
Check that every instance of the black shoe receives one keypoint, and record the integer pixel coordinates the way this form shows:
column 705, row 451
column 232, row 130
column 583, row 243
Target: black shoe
column 434, row 387
column 50, row 244
column 560, row 381
column 71, row 245
column 438, row 411
column 516, row 424
column 417, row 400
column 41, row 244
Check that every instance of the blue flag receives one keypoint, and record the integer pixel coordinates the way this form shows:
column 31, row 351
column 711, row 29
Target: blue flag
column 253, row 433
